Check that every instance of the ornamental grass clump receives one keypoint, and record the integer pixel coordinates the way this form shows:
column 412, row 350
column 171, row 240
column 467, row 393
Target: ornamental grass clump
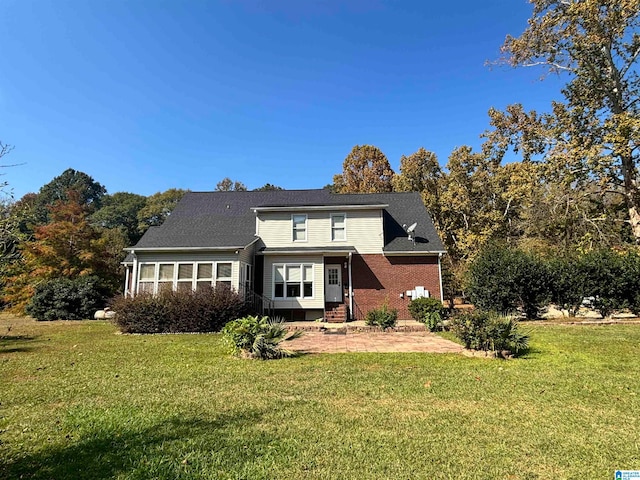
column 258, row 337
column 488, row 331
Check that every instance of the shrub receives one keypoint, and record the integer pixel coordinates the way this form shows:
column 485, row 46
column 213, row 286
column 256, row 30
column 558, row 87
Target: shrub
column 503, row 279
column 430, row 311
column 67, row 299
column 382, row 317
column 258, row 337
column 207, row 310
column 489, row 331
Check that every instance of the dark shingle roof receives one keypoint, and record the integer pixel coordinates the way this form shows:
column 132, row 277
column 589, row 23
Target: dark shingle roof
column 227, row 219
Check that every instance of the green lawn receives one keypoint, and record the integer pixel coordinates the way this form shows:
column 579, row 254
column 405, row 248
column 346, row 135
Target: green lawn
column 79, row 401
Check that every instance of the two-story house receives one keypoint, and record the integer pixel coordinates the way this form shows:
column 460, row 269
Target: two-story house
column 309, row 254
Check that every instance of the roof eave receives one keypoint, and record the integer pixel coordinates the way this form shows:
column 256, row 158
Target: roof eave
column 388, row 253
column 301, row 208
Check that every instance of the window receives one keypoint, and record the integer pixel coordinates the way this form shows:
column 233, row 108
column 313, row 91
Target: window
column 146, row 278
column 223, row 274
column 246, row 278
column 299, row 228
column 205, row 276
column 185, row 277
column 293, row 281
column 338, row 227
column 165, row 277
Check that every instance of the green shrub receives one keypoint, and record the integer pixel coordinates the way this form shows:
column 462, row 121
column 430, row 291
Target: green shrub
column 207, row 310
column 489, row 331
column 430, row 311
column 503, row 279
column 67, row 299
column 382, row 317
column 258, row 337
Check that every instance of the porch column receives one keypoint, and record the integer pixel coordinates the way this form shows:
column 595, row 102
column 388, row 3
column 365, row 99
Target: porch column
column 134, row 274
column 126, row 281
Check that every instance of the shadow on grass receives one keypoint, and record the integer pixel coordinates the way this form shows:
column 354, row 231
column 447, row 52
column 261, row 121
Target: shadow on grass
column 175, row 448
column 14, row 343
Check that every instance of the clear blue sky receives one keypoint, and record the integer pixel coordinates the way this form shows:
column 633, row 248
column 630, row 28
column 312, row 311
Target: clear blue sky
column 146, row 95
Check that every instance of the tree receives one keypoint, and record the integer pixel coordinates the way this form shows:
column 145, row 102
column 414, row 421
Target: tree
column 68, row 247
column 421, row 172
column 267, row 187
column 89, row 192
column 228, row 185
column 158, row 207
column 120, row 210
column 365, row 170
column 597, row 44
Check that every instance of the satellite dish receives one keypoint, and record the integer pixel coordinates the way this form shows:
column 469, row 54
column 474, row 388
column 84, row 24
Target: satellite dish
column 412, row 227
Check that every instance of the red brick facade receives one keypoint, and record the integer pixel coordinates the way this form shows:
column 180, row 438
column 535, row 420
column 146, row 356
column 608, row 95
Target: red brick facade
column 377, row 278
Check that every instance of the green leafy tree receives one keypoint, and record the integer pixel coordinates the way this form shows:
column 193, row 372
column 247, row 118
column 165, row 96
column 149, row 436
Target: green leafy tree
column 365, row 170
column 503, row 279
column 158, row 207
column 596, row 43
column 228, row 185
column 89, row 193
column 120, row 210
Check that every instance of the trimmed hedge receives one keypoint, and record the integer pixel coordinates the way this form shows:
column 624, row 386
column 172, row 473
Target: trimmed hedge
column 67, row 299
column 179, row 312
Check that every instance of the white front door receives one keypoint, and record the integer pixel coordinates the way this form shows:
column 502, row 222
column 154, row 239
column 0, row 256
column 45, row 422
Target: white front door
column 333, row 283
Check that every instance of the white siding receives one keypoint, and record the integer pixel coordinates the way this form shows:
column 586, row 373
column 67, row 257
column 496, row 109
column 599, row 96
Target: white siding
column 318, row 281
column 363, row 230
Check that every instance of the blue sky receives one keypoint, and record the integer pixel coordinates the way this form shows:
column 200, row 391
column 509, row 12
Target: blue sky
column 146, row 95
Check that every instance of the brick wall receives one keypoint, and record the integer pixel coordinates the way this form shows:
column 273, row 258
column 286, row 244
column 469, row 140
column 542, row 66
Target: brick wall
column 376, row 278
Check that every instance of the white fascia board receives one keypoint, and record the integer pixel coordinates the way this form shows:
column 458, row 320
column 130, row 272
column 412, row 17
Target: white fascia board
column 306, row 252
column 183, row 249
column 302, row 208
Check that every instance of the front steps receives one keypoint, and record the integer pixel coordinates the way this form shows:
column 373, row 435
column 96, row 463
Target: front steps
column 336, row 314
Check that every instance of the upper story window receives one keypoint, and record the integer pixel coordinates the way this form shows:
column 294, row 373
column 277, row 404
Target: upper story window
column 338, row 227
column 299, row 228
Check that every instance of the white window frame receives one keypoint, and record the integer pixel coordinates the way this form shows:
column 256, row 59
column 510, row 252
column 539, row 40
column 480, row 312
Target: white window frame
column 189, row 281
column 223, row 279
column 333, row 228
column 194, row 277
column 293, row 227
column 285, row 266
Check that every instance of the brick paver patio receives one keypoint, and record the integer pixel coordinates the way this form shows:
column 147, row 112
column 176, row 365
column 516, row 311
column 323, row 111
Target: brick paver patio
column 339, row 342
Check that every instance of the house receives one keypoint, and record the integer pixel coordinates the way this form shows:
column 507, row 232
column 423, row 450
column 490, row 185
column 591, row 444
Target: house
column 305, row 254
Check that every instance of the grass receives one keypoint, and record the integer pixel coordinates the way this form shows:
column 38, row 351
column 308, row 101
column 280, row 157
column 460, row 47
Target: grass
column 79, row 401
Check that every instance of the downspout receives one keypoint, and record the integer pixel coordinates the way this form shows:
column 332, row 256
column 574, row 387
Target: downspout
column 134, row 274
column 350, row 290
column 440, row 276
